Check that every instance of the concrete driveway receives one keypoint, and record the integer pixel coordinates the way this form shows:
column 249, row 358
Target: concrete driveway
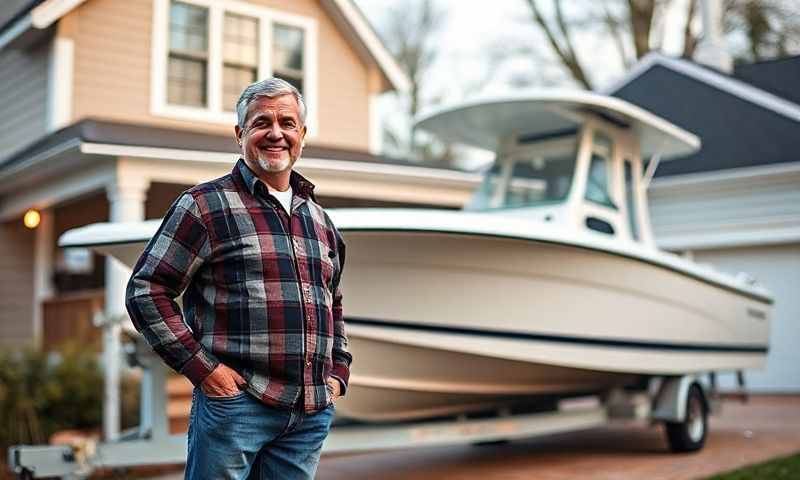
column 740, row 435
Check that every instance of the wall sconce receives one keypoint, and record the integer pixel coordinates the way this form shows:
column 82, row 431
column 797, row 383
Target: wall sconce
column 32, row 219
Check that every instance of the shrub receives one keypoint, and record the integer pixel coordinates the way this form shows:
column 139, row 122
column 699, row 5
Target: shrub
column 41, row 393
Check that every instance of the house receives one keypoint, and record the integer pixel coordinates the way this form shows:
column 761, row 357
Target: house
column 110, row 109
column 735, row 204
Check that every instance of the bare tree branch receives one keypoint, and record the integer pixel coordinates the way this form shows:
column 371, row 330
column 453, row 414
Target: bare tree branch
column 565, row 54
column 641, row 21
column 614, row 29
column 689, row 40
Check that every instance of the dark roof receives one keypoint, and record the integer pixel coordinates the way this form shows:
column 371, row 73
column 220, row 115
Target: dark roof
column 780, row 77
column 735, row 132
column 115, row 133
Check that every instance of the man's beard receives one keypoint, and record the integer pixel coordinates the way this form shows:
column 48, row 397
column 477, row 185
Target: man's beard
column 284, row 163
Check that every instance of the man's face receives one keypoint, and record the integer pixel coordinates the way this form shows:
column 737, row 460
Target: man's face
column 272, row 137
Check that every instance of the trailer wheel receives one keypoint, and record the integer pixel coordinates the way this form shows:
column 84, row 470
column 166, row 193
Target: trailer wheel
column 690, row 434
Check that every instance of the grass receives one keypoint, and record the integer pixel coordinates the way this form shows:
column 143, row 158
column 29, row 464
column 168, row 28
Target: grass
column 784, row 468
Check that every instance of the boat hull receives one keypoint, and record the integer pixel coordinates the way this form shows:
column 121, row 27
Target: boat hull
column 445, row 322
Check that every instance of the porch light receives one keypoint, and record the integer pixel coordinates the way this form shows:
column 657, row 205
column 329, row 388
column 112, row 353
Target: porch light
column 32, row 219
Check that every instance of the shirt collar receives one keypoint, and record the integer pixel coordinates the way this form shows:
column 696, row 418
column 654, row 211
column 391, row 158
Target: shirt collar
column 300, row 185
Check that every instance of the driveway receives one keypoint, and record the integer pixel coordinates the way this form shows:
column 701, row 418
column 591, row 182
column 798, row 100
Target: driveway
column 742, row 434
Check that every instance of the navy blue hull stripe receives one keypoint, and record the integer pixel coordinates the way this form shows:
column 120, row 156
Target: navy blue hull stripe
column 681, row 347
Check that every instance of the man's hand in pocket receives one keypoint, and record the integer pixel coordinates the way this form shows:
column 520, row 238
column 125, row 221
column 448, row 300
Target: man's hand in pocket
column 222, row 382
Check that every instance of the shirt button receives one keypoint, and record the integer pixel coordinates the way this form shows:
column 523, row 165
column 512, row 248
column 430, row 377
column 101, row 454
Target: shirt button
column 308, row 364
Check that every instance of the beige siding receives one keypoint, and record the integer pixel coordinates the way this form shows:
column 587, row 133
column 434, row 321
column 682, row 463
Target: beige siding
column 23, row 96
column 16, row 284
column 112, row 70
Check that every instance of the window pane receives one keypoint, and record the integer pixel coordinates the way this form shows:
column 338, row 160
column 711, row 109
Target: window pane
column 188, row 29
column 540, row 174
column 186, row 82
column 240, row 43
column 287, row 54
column 597, row 184
column 235, row 79
column 630, row 200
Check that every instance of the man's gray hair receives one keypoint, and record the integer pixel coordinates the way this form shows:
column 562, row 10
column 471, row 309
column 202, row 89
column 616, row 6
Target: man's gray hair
column 270, row 88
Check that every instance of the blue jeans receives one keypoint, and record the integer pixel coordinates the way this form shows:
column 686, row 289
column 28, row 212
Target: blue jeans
column 239, row 437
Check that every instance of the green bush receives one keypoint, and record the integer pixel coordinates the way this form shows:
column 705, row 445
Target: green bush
column 41, row 393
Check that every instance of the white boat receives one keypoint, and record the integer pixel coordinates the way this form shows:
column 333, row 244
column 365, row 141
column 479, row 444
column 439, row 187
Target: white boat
column 547, row 285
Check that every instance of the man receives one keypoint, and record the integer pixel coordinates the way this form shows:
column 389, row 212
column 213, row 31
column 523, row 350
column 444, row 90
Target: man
column 261, row 334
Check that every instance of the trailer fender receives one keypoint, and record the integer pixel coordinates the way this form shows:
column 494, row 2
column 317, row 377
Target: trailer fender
column 669, row 404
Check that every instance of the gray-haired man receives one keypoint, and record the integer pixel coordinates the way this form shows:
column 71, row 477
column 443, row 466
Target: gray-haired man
column 261, row 335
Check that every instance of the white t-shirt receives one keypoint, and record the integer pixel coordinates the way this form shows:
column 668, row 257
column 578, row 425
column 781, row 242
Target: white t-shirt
column 285, row 198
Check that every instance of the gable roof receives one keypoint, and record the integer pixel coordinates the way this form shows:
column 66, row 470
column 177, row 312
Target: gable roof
column 40, row 14
column 740, row 125
column 780, row 77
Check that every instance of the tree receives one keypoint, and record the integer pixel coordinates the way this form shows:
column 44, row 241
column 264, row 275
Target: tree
column 636, row 27
column 409, row 32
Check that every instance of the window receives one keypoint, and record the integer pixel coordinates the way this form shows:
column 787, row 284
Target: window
column 188, row 55
column 205, row 52
column 287, row 55
column 240, row 57
column 534, row 174
column 597, row 183
column 630, row 200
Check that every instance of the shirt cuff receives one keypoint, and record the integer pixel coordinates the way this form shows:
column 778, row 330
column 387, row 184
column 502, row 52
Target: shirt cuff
column 199, row 366
column 341, row 372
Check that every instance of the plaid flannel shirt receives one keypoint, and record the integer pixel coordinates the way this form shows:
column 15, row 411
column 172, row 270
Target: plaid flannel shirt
column 260, row 290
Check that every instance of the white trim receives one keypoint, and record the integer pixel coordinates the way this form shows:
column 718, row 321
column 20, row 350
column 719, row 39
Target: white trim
column 216, row 112
column 727, row 84
column 42, row 271
column 48, row 12
column 50, row 152
column 55, row 190
column 707, row 240
column 376, row 48
column 311, row 162
column 21, row 26
column 60, row 83
column 375, row 125
column 744, row 173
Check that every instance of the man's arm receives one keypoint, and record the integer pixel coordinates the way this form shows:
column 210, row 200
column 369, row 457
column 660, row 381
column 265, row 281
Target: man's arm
column 177, row 250
column 341, row 357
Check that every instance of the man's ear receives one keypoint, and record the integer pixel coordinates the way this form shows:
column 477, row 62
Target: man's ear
column 238, row 132
column 303, row 136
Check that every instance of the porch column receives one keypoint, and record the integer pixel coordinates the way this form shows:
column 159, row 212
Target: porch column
column 42, row 272
column 126, row 199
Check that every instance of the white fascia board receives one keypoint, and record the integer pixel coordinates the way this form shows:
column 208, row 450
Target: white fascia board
column 21, row 26
column 344, row 166
column 725, row 83
column 50, row 11
column 376, row 48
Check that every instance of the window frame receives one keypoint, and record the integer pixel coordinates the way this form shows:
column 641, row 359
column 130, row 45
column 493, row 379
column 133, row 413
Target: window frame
column 215, row 112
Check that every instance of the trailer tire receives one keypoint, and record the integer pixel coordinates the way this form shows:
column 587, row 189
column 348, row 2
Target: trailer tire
column 690, row 434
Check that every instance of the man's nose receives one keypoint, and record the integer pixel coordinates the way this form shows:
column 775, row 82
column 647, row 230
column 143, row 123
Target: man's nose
column 274, row 132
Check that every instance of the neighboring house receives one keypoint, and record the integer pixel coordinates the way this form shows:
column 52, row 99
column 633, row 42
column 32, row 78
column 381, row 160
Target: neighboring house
column 109, row 109
column 736, row 203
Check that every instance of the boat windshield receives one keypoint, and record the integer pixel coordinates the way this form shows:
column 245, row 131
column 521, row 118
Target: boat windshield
column 531, row 175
